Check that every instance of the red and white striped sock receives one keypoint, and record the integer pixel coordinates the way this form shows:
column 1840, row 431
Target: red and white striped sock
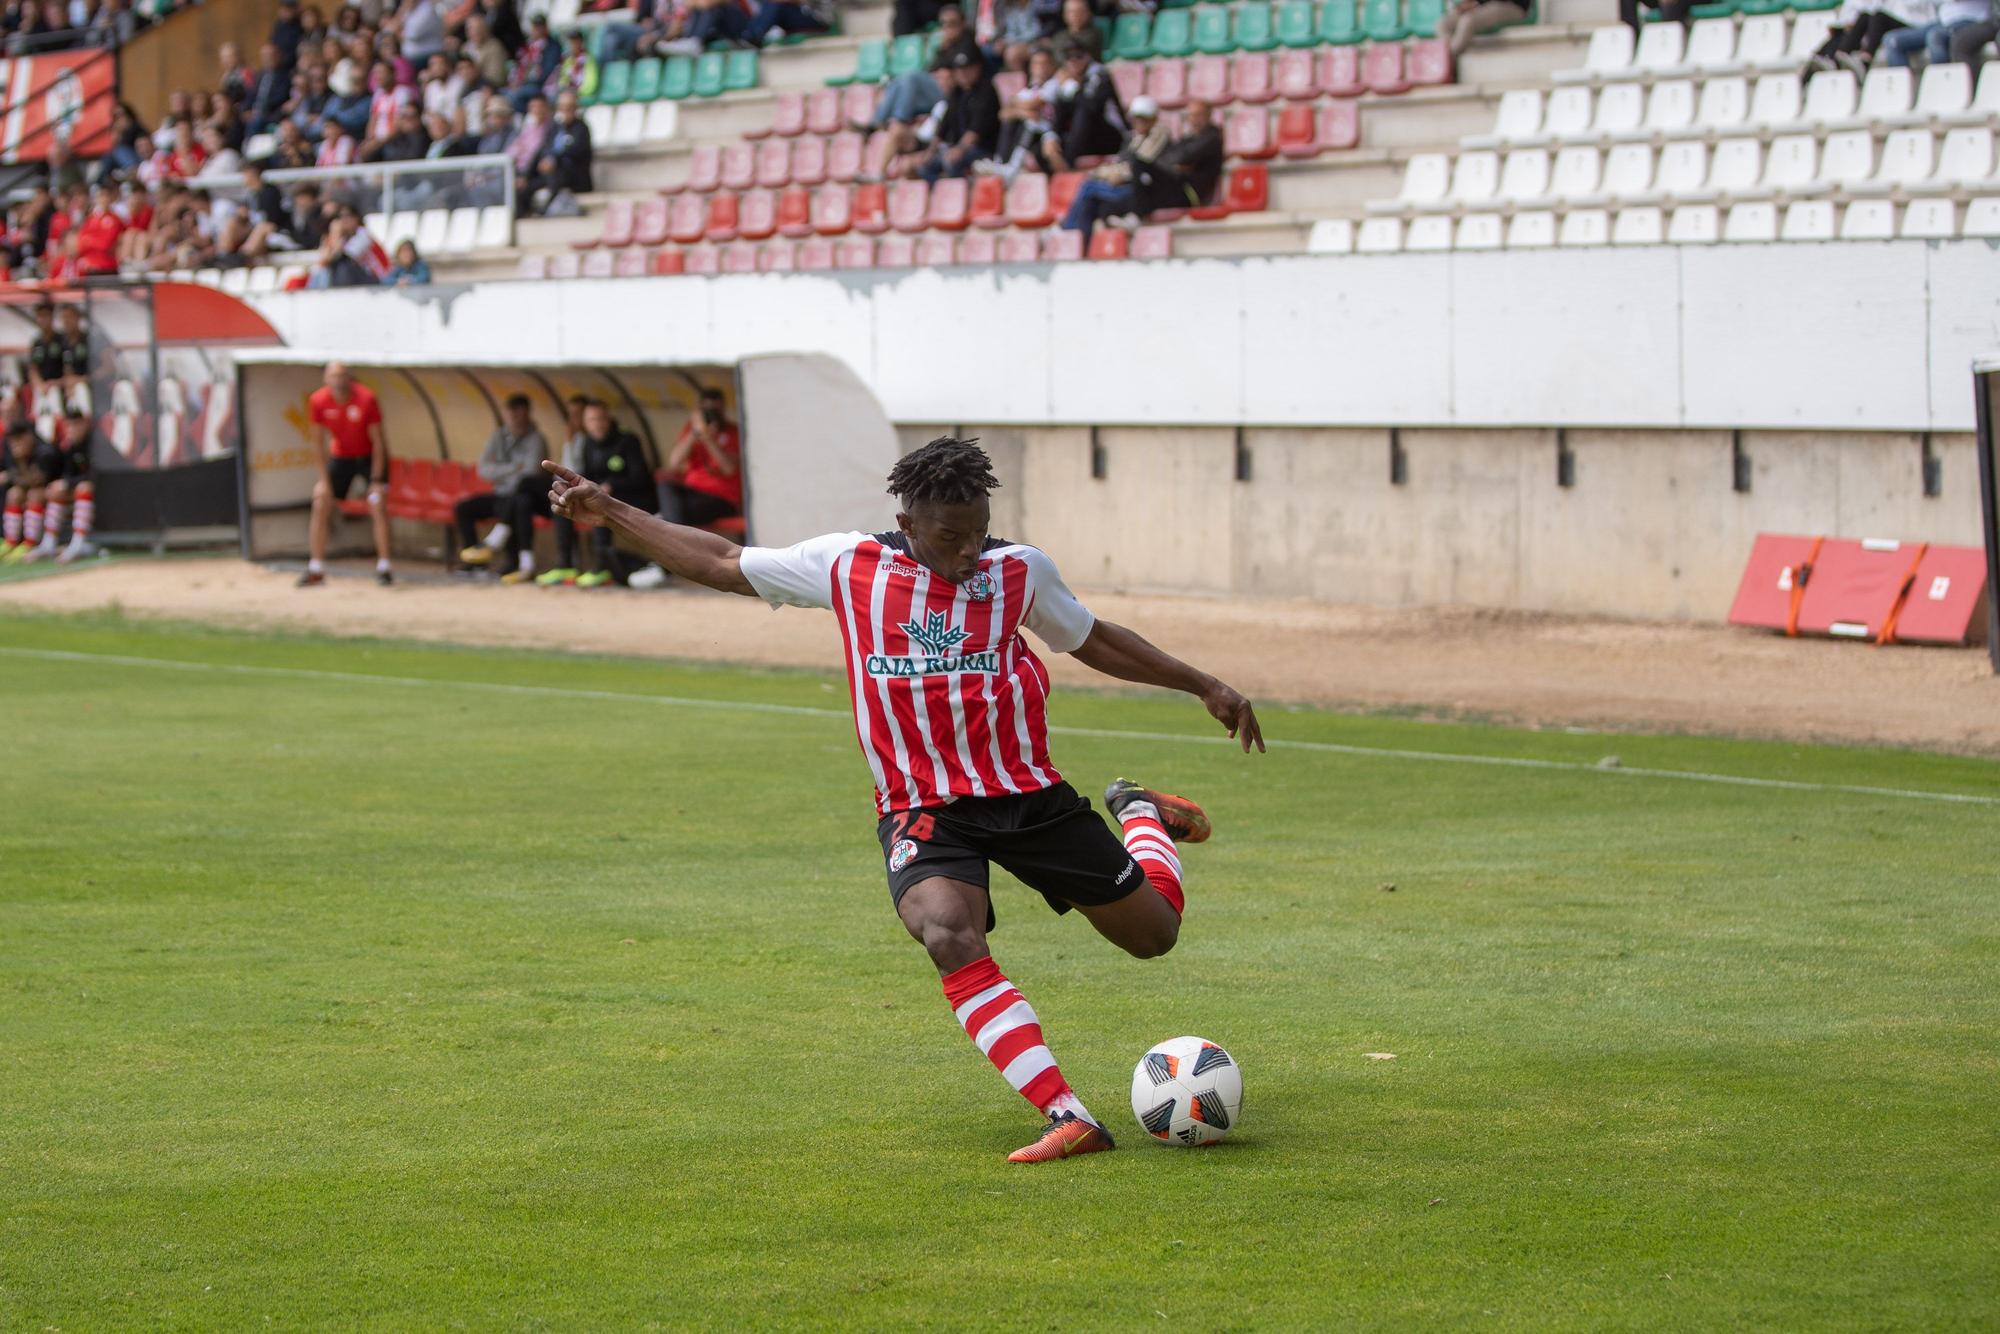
column 1003, row 1026
column 58, row 511
column 31, row 532
column 1148, row 842
column 85, row 515
column 10, row 525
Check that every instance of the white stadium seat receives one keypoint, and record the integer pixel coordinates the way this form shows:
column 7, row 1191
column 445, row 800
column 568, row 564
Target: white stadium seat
column 1585, row 227
column 496, row 228
column 1711, row 45
column 1620, row 109
column 1638, row 226
column 1809, row 33
column 1777, row 101
column 1965, row 161
column 1526, row 175
column 1331, row 236
column 598, row 118
column 1661, row 48
column 1379, row 236
column 1985, row 99
column 1846, row 158
column 1930, row 220
column 1568, row 117
column 1535, row 230
column 1982, row 218
column 1473, row 179
column 1669, row 108
column 461, row 234
column 1886, row 94
column 1724, row 107
column 1942, row 93
column 1609, row 56
column 663, row 121
column 1831, row 98
column 1792, row 164
column 1519, row 118
column 1761, row 44
column 376, row 223
column 264, row 278
column 1908, row 156
column 1426, row 177
column 1751, row 222
column 208, row 277
column 1478, row 231
column 1430, row 232
column 432, row 224
column 1736, row 169
column 402, row 227
column 1868, row 220
column 1807, row 220
column 1578, row 174
column 1628, row 172
column 1694, row 224
column 628, row 125
column 236, row 281
column 1683, row 171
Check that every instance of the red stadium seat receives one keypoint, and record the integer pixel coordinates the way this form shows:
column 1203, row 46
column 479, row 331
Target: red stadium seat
column 1153, row 243
column 1020, row 247
column 597, row 264
column 629, row 264
column 809, row 161
column 1166, row 82
column 789, row 120
column 935, row 249
column 855, row 252
column 843, row 156
column 794, row 211
column 909, row 208
column 1298, row 130
column 858, row 105
column 1062, row 191
column 1340, row 72
column 704, row 171
column 774, row 163
column 702, row 259
column 978, row 248
column 1129, row 77
column 823, row 112
column 1249, row 189
column 667, row 263
column 1208, row 79
column 778, row 257
column 949, row 204
column 1294, row 77
column 1109, row 243
column 832, row 210
column 1248, row 133
column 739, row 166
column 757, row 214
column 1250, row 77
column 816, row 253
column 1028, row 202
column 1382, row 68
column 1061, row 243
column 1340, row 124
column 895, row 252
column 739, row 257
column 650, row 223
column 618, row 224
column 989, row 201
column 688, row 218
column 722, row 214
column 1430, row 63
column 871, row 208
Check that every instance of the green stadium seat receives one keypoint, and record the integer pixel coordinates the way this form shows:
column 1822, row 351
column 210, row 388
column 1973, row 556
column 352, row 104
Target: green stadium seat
column 906, row 55
column 677, row 80
column 1295, row 23
column 646, row 79
column 1748, row 7
column 1336, row 23
column 871, row 65
column 614, row 83
column 1719, row 9
column 1211, row 31
column 1103, row 34
column 739, row 70
column 1252, row 26
column 1178, row 4
column 1132, row 38
column 1422, row 17
column 708, row 75
column 1173, row 33
column 1382, row 20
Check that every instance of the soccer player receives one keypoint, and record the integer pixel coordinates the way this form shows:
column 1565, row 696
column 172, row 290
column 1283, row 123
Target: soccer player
column 73, row 487
column 351, row 447
column 950, row 708
column 28, row 465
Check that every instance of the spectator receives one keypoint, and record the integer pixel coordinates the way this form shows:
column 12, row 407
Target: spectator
column 1466, row 19
column 292, row 151
column 775, row 19
column 264, row 207
column 218, row 160
column 660, row 29
column 472, row 101
column 269, row 91
column 612, row 458
column 702, row 480
column 1970, row 39
column 1077, row 24
column 288, row 33
column 497, row 134
column 566, row 160
column 914, row 16
column 309, row 105
column 387, row 101
column 1934, row 38
column 410, row 269
column 407, row 143
column 309, row 221
column 1017, row 28
column 98, row 238
column 186, row 157
column 423, row 29
column 439, row 89
column 236, row 76
column 1151, row 173
column 1027, row 129
column 352, row 447
column 448, row 137
column 534, row 66
column 511, row 464
column 1089, row 118
column 713, row 21
column 528, row 148
column 1671, row 11
column 389, row 51
column 65, row 174
column 348, row 105
column 577, row 72
column 488, row 55
column 968, row 130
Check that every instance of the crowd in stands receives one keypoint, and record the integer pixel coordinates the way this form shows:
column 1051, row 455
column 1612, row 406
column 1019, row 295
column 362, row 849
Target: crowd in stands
column 28, row 26
column 1898, row 32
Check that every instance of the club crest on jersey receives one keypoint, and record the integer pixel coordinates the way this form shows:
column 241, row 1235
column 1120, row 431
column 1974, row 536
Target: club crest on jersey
column 902, row 855
column 980, row 587
column 939, row 641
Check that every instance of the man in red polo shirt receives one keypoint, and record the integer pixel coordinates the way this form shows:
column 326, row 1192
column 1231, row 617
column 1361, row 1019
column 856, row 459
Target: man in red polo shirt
column 702, row 480
column 347, row 432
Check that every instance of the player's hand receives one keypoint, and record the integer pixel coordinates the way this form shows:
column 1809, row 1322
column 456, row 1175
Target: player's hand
column 571, row 496
column 1233, row 711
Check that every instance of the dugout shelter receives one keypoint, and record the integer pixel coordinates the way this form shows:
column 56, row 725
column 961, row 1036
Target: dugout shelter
column 816, row 443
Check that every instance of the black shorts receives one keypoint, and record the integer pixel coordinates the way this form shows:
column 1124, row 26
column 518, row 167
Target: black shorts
column 1051, row 841
column 76, row 465
column 342, row 472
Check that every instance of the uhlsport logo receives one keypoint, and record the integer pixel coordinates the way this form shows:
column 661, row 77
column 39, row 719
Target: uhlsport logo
column 939, row 641
column 902, row 855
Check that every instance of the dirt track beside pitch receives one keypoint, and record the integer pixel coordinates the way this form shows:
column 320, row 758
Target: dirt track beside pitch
column 1537, row 670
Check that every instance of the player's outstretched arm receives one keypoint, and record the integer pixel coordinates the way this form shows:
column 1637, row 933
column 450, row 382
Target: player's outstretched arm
column 686, row 552
column 1127, row 655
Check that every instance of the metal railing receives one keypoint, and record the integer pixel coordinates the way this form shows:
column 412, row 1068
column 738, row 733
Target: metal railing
column 393, row 188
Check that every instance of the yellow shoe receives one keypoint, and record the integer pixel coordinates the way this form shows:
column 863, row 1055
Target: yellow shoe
column 595, row 579
column 477, row 554
column 517, row 577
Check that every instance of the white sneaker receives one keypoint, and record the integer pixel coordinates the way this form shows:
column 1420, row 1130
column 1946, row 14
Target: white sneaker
column 78, row 549
column 650, row 577
column 42, row 550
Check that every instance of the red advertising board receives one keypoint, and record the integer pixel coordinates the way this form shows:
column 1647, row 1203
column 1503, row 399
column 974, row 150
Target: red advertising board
column 65, row 97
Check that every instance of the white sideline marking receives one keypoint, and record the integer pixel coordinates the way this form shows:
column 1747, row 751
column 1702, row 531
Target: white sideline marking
column 802, row 710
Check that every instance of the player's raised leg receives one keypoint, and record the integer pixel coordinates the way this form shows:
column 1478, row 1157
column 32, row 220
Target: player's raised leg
column 1151, row 824
column 948, row 918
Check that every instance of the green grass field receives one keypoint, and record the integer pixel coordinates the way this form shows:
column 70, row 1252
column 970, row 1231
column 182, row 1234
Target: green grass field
column 506, row 993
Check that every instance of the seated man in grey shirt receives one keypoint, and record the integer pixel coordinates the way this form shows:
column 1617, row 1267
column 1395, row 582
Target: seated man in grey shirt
column 512, row 465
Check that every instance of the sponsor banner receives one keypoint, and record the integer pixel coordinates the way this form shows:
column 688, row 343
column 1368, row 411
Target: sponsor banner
column 59, row 97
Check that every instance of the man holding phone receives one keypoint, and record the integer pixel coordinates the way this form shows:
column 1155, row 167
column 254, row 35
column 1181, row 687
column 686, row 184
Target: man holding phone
column 702, row 480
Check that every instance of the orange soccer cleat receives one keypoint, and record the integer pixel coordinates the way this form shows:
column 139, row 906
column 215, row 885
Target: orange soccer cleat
column 1067, row 1136
column 1184, row 821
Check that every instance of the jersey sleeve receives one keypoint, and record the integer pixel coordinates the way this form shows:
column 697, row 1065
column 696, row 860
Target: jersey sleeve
column 797, row 576
column 1054, row 614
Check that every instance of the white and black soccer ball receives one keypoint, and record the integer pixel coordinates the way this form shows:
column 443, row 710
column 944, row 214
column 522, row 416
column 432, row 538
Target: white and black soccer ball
column 1187, row 1091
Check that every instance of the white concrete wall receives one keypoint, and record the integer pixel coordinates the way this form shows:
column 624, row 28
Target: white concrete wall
column 1840, row 336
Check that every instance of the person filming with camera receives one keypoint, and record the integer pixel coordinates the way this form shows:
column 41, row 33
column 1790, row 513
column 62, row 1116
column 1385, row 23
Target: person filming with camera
column 702, row 480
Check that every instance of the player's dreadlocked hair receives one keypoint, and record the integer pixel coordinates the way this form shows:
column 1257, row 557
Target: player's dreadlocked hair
column 947, row 471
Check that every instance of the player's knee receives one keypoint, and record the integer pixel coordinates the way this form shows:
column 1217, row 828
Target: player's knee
column 322, row 495
column 952, row 943
column 58, row 493
column 1153, row 943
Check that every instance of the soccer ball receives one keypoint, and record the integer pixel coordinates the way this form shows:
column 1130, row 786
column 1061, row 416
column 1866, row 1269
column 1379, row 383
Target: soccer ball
column 1187, row 1091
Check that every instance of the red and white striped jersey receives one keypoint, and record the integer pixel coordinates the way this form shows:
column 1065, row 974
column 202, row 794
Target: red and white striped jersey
column 949, row 700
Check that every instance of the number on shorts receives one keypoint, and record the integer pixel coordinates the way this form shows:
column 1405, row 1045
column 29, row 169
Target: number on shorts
column 921, row 829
